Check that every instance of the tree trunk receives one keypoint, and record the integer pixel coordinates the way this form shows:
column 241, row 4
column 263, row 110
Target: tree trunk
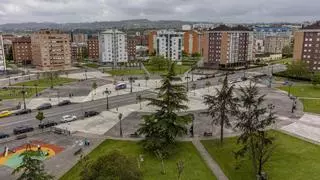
column 253, row 154
column 221, row 130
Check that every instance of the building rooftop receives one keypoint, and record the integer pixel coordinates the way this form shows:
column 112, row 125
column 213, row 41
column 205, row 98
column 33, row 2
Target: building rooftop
column 315, row 25
column 111, row 31
column 228, row 28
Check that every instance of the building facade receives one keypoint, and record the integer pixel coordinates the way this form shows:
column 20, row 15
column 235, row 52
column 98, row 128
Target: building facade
column 307, row 46
column 51, row 50
column 79, row 38
column 263, row 32
column 228, row 46
column 258, row 46
column 166, row 43
column 2, row 56
column 113, row 47
column 78, row 51
column 192, row 42
column 131, row 48
column 93, row 48
column 21, row 49
column 275, row 44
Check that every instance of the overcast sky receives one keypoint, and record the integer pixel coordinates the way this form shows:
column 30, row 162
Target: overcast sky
column 62, row 11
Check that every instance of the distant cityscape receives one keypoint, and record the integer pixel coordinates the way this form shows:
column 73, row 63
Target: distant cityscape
column 55, row 46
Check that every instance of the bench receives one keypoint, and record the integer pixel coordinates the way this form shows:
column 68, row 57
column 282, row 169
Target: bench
column 79, row 151
column 207, row 134
column 21, row 136
column 134, row 135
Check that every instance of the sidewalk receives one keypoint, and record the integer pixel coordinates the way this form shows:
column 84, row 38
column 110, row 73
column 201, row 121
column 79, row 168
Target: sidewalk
column 215, row 168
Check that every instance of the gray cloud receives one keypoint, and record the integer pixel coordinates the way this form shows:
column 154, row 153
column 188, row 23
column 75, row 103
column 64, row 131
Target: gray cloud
column 14, row 11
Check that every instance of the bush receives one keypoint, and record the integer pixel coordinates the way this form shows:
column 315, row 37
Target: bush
column 112, row 166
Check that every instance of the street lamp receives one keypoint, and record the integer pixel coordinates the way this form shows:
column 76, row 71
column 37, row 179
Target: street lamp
column 36, row 86
column 187, row 78
column 107, row 92
column 23, row 92
column 120, row 118
column 131, row 80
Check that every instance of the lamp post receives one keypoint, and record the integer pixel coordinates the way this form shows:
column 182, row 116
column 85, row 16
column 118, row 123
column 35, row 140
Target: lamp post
column 187, row 78
column 131, row 80
column 23, row 92
column 36, row 86
column 107, row 92
column 120, row 123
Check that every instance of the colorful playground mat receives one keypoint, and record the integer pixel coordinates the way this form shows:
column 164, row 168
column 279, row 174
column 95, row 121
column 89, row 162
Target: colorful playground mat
column 12, row 157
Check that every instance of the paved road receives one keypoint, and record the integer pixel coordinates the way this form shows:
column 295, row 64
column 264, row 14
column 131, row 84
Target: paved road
column 55, row 114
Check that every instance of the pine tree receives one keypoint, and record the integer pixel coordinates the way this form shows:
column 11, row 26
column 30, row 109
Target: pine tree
column 221, row 106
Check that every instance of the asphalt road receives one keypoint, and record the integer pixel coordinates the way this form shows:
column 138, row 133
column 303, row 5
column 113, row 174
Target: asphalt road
column 56, row 113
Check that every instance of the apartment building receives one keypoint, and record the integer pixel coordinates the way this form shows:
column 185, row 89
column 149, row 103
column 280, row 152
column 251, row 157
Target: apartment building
column 2, row 56
column 263, row 32
column 307, row 46
column 93, row 48
column 259, row 46
column 79, row 38
column 51, row 50
column 113, row 47
column 131, row 47
column 166, row 43
column 21, row 49
column 78, row 51
column 192, row 42
column 226, row 46
column 275, row 44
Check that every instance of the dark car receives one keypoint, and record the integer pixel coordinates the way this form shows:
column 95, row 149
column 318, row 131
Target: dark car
column 44, row 106
column 64, row 102
column 23, row 111
column 3, row 135
column 22, row 129
column 47, row 124
column 90, row 113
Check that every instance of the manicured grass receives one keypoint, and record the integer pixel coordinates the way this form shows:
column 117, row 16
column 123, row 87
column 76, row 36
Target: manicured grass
column 194, row 167
column 119, row 72
column 303, row 90
column 14, row 93
column 91, row 65
column 179, row 69
column 292, row 159
column 282, row 61
column 311, row 105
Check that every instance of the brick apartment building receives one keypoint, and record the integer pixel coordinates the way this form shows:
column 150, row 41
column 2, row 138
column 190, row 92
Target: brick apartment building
column 131, row 47
column 307, row 46
column 79, row 38
column 192, row 42
column 2, row 56
column 51, row 50
column 21, row 49
column 78, row 51
column 93, row 48
column 227, row 46
column 275, row 44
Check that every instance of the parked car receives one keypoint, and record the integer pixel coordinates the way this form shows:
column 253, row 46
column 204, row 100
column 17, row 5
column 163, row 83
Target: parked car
column 22, row 111
column 64, row 102
column 3, row 135
column 68, row 118
column 22, row 129
column 47, row 124
column 90, row 113
column 44, row 106
column 121, row 86
column 5, row 114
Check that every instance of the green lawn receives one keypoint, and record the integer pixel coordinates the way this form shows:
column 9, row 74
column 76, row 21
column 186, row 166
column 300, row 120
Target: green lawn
column 311, row 105
column 91, row 65
column 194, row 167
column 303, row 90
column 282, row 61
column 292, row 159
column 179, row 69
column 13, row 93
column 119, row 72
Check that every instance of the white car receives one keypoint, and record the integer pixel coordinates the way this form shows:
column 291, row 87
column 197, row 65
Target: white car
column 68, row 118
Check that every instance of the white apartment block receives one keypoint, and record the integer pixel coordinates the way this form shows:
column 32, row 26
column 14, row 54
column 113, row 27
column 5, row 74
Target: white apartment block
column 2, row 56
column 113, row 47
column 169, row 44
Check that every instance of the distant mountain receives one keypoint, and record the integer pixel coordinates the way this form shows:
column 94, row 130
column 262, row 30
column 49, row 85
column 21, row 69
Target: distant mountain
column 95, row 26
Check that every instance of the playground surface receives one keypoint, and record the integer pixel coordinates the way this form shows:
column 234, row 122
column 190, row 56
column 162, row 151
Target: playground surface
column 11, row 157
